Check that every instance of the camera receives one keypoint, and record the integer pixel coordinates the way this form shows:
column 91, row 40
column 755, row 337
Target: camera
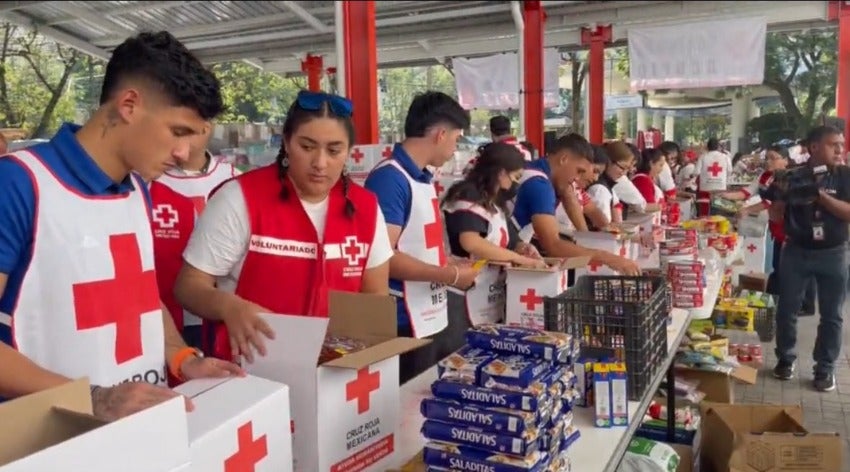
column 797, row 186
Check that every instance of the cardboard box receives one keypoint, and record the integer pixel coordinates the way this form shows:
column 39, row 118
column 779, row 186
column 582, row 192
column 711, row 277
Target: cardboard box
column 526, row 288
column 609, row 242
column 717, row 386
column 345, row 412
column 239, row 424
column 364, row 157
column 754, row 249
column 756, row 281
column 757, row 438
column 41, row 431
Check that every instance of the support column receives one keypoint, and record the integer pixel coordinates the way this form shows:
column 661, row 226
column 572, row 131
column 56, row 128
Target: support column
column 755, row 110
column 623, row 123
column 361, row 67
column 641, row 120
column 313, row 67
column 670, row 127
column 596, row 39
column 658, row 119
column 842, row 94
column 740, row 116
column 534, row 21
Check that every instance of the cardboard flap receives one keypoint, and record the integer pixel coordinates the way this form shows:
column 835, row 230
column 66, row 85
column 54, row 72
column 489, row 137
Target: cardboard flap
column 377, row 353
column 759, row 419
column 370, row 318
column 298, row 339
column 745, row 374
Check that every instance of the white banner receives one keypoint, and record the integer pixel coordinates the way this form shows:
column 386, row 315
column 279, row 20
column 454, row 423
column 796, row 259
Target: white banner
column 492, row 82
column 702, row 54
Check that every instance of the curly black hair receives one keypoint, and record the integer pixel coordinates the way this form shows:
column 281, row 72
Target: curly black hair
column 164, row 62
column 482, row 179
column 297, row 116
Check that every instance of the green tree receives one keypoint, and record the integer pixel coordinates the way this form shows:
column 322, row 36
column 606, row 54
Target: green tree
column 399, row 86
column 253, row 96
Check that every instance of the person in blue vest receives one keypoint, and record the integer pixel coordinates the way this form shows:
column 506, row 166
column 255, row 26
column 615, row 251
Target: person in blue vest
column 78, row 288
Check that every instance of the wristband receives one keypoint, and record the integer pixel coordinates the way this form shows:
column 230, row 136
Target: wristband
column 179, row 358
column 457, row 276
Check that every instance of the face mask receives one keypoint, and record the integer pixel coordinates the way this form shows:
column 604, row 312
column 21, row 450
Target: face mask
column 510, row 193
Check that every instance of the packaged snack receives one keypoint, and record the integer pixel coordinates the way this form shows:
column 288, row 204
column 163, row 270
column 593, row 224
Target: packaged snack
column 468, row 393
column 500, row 420
column 335, row 347
column 477, row 437
column 464, row 364
column 513, row 371
column 546, row 345
column 462, row 458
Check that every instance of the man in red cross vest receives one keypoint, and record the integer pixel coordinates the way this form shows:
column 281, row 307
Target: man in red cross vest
column 79, row 289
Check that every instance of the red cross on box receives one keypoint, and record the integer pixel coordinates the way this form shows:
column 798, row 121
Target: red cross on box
column 353, row 250
column 594, row 266
column 362, row 387
column 531, row 299
column 752, row 248
column 623, row 250
column 357, row 155
column 563, row 282
column 387, row 152
column 715, row 169
column 250, row 452
column 165, row 216
column 120, row 301
column 438, row 188
column 434, row 233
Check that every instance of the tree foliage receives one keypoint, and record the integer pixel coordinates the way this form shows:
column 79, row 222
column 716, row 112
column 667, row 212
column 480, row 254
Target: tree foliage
column 399, row 86
column 35, row 75
column 254, row 96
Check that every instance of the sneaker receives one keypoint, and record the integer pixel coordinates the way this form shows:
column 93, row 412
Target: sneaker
column 784, row 370
column 824, row 382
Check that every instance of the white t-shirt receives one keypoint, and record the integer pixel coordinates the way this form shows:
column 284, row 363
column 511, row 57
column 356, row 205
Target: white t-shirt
column 219, row 243
column 686, row 178
column 627, row 193
column 665, row 179
column 603, row 198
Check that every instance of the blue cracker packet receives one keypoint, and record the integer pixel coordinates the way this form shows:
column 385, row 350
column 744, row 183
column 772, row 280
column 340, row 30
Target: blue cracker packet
column 560, row 379
column 500, row 420
column 546, row 345
column 468, row 393
column 468, row 459
column 477, row 437
column 464, row 364
column 571, row 435
column 513, row 371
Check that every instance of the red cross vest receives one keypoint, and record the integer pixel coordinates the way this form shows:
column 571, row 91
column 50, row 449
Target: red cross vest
column 565, row 225
column 284, row 246
column 713, row 173
column 172, row 220
column 422, row 238
column 89, row 304
column 485, row 301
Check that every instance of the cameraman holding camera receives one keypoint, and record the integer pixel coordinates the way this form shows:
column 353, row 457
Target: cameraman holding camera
column 814, row 200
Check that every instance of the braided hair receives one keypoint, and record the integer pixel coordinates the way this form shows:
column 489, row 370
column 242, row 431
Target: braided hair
column 297, row 116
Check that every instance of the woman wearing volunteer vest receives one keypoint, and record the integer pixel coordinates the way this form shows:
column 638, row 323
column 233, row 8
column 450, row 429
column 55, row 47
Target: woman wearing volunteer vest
column 477, row 227
column 620, row 162
column 278, row 238
column 713, row 169
column 79, row 289
column 648, row 169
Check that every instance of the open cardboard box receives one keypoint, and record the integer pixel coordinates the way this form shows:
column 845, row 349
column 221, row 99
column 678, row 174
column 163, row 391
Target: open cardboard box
column 717, row 386
column 760, row 438
column 43, row 430
column 527, row 286
column 345, row 412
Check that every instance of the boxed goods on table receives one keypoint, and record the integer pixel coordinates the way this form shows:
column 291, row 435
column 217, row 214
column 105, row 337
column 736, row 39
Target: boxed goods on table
column 503, row 402
column 687, row 283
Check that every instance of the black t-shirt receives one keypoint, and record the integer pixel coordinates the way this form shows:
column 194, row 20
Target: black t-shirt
column 801, row 221
column 464, row 221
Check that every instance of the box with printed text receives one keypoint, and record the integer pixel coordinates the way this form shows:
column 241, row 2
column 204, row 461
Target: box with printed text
column 526, row 288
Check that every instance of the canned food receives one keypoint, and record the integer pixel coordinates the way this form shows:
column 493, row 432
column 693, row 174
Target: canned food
column 745, row 350
column 755, row 350
column 733, row 350
column 757, row 359
column 744, row 357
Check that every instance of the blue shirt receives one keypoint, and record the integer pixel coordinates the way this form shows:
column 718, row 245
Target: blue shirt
column 536, row 196
column 395, row 196
column 72, row 165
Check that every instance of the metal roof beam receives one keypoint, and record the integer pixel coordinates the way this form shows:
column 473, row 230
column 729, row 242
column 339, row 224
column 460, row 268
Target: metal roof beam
column 127, row 10
column 311, row 20
column 55, row 34
column 94, row 19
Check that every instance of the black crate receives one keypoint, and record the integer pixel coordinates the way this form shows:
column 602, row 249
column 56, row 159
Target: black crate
column 628, row 314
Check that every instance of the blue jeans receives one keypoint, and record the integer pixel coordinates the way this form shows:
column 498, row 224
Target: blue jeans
column 829, row 269
column 773, row 281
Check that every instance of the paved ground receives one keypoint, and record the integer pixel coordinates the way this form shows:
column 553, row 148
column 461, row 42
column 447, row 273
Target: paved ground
column 821, row 411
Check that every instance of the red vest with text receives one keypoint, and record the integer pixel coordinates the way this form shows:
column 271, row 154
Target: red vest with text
column 286, row 269
column 172, row 221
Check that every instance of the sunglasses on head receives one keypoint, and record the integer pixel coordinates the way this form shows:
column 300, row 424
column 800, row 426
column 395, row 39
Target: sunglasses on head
column 313, row 101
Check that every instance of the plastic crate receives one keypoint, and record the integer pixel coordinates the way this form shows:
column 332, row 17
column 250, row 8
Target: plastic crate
column 765, row 323
column 627, row 314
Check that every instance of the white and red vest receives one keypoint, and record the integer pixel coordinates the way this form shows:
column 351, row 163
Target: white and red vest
column 565, row 225
column 199, row 187
column 422, row 238
column 713, row 172
column 89, row 304
column 172, row 221
column 485, row 301
column 284, row 246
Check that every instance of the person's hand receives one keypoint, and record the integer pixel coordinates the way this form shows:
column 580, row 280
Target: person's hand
column 208, row 367
column 530, row 262
column 528, row 250
column 621, row 265
column 463, row 275
column 247, row 330
column 113, row 403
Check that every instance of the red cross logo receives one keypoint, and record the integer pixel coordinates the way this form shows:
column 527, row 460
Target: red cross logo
column 387, row 153
column 503, row 237
column 199, row 203
column 165, row 216
column 353, row 250
column 594, row 266
column 434, row 233
column 623, row 250
column 531, row 299
column 438, row 188
column 752, row 248
column 361, row 388
column 120, row 301
column 250, row 452
column 715, row 169
column 357, row 155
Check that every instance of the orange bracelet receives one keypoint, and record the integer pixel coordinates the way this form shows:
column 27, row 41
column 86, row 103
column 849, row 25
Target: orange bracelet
column 177, row 360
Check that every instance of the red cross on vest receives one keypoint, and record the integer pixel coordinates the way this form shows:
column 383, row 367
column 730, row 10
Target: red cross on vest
column 434, row 233
column 362, row 387
column 165, row 216
column 120, row 301
column 531, row 299
column 353, row 250
column 752, row 248
column 250, row 452
column 357, row 155
column 387, row 153
column 715, row 169
column 503, row 237
column 438, row 188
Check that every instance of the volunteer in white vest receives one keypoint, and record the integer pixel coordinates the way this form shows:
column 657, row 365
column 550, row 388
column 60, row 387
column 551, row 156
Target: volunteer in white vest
column 620, row 163
column 477, row 227
column 420, row 270
column 713, row 168
column 79, row 291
